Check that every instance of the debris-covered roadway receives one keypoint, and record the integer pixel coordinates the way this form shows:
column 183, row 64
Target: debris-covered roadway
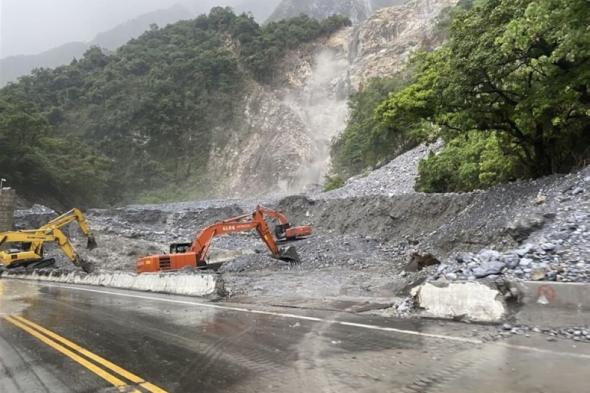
column 366, row 234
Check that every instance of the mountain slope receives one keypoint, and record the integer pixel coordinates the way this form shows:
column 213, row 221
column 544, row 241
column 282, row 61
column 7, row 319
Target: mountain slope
column 161, row 106
column 356, row 10
column 13, row 67
column 203, row 108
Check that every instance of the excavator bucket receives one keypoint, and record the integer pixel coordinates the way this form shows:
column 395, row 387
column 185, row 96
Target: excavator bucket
column 86, row 266
column 91, row 245
column 289, row 254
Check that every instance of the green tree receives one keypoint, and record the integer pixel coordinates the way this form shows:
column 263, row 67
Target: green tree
column 44, row 166
column 367, row 140
column 516, row 68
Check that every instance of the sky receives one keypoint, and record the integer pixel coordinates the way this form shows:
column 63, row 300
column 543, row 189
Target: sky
column 33, row 26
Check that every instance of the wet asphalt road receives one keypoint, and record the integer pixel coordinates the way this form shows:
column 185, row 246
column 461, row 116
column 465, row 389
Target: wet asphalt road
column 85, row 339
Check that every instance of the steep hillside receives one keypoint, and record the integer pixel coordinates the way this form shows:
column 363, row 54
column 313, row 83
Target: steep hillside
column 205, row 108
column 316, row 85
column 14, row 67
column 490, row 91
column 159, row 109
column 356, row 10
column 382, row 45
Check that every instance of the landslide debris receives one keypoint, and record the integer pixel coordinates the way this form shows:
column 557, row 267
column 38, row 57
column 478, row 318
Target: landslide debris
column 547, row 235
column 394, row 178
column 367, row 234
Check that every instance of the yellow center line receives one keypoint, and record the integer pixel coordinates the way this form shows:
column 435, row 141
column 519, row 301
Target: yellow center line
column 98, row 359
column 78, row 359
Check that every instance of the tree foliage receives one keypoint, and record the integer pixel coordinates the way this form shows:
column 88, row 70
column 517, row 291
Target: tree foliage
column 156, row 106
column 472, row 161
column 367, row 141
column 518, row 69
column 45, row 166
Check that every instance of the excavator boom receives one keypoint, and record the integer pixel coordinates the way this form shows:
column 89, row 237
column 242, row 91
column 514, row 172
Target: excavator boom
column 69, row 217
column 196, row 255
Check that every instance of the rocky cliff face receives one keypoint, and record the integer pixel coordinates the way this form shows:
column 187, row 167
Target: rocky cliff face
column 281, row 144
column 382, row 44
column 356, row 10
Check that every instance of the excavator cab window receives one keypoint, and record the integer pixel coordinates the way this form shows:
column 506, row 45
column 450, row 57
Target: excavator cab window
column 180, row 248
column 15, row 248
column 280, row 231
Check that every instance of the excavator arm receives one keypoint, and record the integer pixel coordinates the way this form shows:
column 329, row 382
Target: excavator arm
column 203, row 240
column 69, row 217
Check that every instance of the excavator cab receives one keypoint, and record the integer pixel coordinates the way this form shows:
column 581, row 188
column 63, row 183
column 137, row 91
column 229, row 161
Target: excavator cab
column 180, row 248
column 280, row 231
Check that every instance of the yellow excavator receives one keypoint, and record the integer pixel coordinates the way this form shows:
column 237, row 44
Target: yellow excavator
column 31, row 241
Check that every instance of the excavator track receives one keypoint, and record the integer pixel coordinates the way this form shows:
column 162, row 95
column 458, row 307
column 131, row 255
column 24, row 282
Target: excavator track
column 49, row 262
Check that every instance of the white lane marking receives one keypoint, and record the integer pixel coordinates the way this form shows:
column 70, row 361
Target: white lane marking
column 541, row 350
column 272, row 313
column 315, row 319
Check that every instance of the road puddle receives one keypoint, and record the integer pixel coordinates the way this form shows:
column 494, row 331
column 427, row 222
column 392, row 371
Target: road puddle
column 14, row 299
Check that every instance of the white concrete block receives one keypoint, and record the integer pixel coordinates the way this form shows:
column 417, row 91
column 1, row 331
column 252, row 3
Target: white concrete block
column 465, row 300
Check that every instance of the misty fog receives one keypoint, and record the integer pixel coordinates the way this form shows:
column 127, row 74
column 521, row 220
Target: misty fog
column 34, row 26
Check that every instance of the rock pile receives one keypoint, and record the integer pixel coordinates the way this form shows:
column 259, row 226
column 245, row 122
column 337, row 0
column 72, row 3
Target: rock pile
column 395, row 178
column 554, row 245
column 579, row 333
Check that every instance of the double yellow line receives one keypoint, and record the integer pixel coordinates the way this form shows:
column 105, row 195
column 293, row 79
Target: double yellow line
column 83, row 356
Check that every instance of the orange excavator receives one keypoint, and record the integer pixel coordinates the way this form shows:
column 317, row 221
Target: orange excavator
column 183, row 255
column 283, row 230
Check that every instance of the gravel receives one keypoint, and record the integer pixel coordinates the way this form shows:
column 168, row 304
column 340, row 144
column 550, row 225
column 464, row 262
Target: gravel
column 552, row 240
column 577, row 333
column 395, row 178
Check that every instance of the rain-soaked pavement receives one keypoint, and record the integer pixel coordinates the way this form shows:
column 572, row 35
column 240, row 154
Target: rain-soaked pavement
column 86, row 339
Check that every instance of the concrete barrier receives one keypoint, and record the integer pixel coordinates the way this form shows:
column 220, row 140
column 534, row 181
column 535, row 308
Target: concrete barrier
column 554, row 294
column 551, row 304
column 535, row 303
column 470, row 301
column 187, row 284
